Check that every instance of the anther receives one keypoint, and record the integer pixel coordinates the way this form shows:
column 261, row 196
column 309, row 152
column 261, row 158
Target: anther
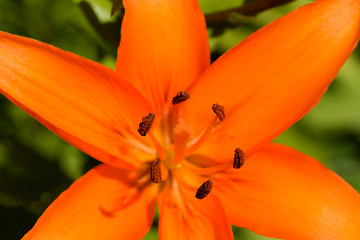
column 204, row 190
column 219, row 110
column 239, row 158
column 180, row 97
column 146, row 123
column 155, row 172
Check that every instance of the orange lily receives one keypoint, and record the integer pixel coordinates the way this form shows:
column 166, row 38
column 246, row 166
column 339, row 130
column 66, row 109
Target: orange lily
column 265, row 83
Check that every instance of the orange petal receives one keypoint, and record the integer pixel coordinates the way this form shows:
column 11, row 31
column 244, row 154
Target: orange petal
column 100, row 205
column 283, row 193
column 183, row 217
column 164, row 47
column 83, row 102
column 274, row 77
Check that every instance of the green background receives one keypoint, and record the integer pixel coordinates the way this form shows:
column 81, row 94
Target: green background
column 36, row 166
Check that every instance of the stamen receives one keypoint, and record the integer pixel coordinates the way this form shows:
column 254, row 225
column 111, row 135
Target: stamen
column 180, row 97
column 219, row 110
column 146, row 123
column 155, row 172
column 204, row 190
column 239, row 158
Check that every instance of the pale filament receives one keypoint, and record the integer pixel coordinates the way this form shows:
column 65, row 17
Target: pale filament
column 160, row 150
column 196, row 143
column 208, row 170
column 143, row 147
column 134, row 141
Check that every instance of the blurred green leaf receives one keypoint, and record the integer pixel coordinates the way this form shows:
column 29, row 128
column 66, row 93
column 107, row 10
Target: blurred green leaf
column 152, row 234
column 209, row 6
column 117, row 6
column 72, row 162
column 102, row 9
column 243, row 233
column 339, row 108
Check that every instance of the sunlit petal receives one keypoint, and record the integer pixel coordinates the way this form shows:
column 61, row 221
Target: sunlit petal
column 271, row 79
column 183, row 217
column 282, row 193
column 83, row 102
column 164, row 47
column 100, row 205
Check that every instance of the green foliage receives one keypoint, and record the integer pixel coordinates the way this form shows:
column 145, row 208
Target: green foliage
column 209, row 6
column 102, row 8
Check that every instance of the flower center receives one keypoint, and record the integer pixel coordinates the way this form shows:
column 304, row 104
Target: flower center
column 177, row 145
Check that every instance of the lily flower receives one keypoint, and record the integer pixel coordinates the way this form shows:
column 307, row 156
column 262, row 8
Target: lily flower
column 192, row 138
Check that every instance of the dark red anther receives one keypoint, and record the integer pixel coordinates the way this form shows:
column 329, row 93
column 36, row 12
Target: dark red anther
column 146, row 123
column 239, row 158
column 219, row 110
column 155, row 172
column 180, row 97
column 204, row 190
